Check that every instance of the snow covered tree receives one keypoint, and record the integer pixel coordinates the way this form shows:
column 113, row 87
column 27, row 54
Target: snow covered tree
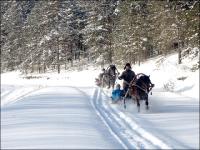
column 51, row 35
column 13, row 17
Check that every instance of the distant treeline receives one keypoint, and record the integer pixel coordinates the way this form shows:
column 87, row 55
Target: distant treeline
column 40, row 35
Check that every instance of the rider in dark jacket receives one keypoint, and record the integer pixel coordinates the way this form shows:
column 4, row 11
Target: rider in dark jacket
column 112, row 74
column 127, row 76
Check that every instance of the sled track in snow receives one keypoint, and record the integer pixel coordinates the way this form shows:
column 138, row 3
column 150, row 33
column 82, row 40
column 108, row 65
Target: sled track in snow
column 121, row 127
column 131, row 134
column 20, row 97
column 103, row 118
column 128, row 133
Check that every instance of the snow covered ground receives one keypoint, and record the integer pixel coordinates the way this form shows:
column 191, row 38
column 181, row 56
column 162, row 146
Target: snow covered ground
column 69, row 111
column 54, row 117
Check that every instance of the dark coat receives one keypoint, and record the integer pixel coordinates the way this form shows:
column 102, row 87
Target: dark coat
column 112, row 72
column 127, row 75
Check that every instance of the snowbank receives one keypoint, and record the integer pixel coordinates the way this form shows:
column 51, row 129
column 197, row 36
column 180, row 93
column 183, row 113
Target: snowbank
column 65, row 78
column 16, row 86
column 165, row 72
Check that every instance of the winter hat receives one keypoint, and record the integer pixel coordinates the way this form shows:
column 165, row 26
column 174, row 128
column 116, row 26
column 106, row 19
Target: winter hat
column 127, row 64
column 112, row 66
column 118, row 86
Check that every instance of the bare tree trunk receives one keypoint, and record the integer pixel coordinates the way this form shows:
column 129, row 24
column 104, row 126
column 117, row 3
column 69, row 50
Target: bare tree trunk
column 39, row 68
column 65, row 59
column 44, row 68
column 110, row 52
column 179, row 49
column 32, row 68
column 71, row 63
column 58, row 56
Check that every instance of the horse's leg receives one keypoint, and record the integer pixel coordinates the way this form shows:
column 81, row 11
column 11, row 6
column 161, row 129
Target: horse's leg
column 109, row 83
column 106, row 82
column 134, row 94
column 134, row 99
column 138, row 103
column 147, row 103
column 103, row 81
column 113, row 84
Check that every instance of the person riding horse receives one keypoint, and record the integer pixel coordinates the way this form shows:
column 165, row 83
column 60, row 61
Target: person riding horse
column 112, row 73
column 128, row 75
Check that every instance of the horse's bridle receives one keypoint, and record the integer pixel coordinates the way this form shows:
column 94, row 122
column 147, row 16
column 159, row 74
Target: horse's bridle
column 146, row 88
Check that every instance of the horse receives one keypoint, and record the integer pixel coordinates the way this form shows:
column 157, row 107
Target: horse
column 110, row 76
column 139, row 88
column 105, row 80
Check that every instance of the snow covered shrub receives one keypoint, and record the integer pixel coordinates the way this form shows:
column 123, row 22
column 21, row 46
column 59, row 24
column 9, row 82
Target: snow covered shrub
column 32, row 77
column 169, row 86
column 195, row 67
column 181, row 78
column 159, row 62
column 190, row 53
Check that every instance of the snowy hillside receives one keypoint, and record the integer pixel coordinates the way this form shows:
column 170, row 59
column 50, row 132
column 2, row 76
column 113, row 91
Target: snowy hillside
column 165, row 72
column 168, row 74
column 63, row 110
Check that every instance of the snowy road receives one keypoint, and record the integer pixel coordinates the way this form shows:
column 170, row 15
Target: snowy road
column 83, row 117
column 171, row 122
column 55, row 117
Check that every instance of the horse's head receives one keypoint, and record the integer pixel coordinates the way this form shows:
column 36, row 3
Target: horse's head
column 145, row 80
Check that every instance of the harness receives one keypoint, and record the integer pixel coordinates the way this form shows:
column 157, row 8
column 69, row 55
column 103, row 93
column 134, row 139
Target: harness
column 140, row 88
column 145, row 89
column 133, row 83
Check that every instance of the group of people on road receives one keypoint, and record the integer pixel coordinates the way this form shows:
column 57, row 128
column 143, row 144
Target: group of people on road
column 108, row 78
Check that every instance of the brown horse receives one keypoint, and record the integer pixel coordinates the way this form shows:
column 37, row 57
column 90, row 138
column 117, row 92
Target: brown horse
column 110, row 76
column 139, row 89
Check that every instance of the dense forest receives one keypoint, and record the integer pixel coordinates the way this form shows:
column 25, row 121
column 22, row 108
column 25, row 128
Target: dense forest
column 42, row 35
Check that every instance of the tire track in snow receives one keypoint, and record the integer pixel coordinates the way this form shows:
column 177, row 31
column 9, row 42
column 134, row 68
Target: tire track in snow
column 58, row 117
column 143, row 138
column 119, row 127
column 103, row 118
column 12, row 98
column 130, row 136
